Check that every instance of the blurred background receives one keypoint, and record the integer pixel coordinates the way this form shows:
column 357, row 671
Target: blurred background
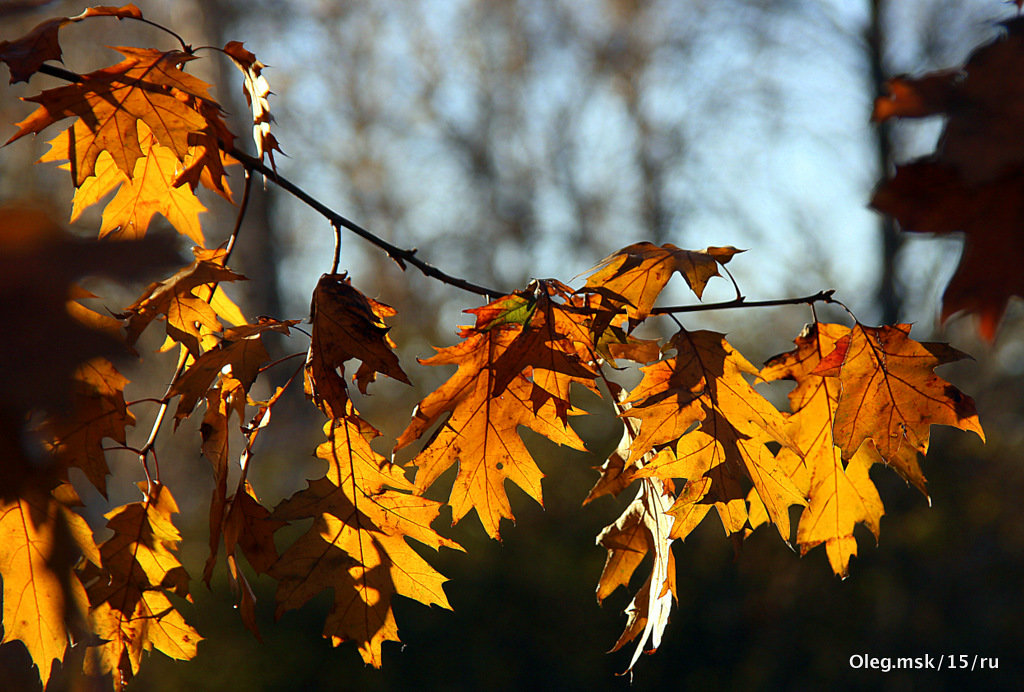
column 530, row 138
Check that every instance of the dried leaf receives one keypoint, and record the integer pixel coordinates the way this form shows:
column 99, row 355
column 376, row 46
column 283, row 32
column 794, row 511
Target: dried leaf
column 42, row 597
column 128, row 595
column 357, row 545
column 24, row 56
column 175, row 298
column 257, row 92
column 644, row 527
column 346, row 325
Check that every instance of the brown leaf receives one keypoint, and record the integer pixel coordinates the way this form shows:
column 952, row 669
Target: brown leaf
column 928, row 196
column 241, row 351
column 346, row 325
column 890, row 395
column 551, row 344
column 616, row 473
column 24, row 56
column 973, row 181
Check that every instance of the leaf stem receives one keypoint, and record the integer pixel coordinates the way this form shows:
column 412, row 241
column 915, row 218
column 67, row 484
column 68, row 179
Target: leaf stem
column 268, row 366
column 337, row 247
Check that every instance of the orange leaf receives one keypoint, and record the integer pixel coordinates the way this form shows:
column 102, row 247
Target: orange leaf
column 551, row 342
column 481, row 432
column 890, row 395
column 42, row 597
column 145, row 86
column 637, row 273
column 357, row 545
column 704, row 384
column 841, row 495
column 128, row 594
column 174, row 298
column 151, row 189
column 38, row 264
column 241, row 351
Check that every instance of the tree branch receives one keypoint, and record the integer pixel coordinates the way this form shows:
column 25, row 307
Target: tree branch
column 402, row 257
column 399, row 255
column 742, row 302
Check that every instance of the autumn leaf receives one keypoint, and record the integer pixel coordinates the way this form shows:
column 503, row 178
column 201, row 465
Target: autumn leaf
column 643, row 528
column 637, row 273
column 108, row 103
column 481, row 432
column 703, row 385
column 176, row 300
column 246, row 525
column 24, row 56
column 98, row 411
column 551, row 344
column 257, row 92
column 890, row 395
column 128, row 594
column 151, row 189
column 617, row 472
column 44, row 602
column 239, row 520
column 241, row 352
column 974, row 180
column 841, row 495
column 357, row 545
column 346, row 325
column 227, row 397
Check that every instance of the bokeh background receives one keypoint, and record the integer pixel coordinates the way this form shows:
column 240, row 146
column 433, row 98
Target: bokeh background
column 530, row 138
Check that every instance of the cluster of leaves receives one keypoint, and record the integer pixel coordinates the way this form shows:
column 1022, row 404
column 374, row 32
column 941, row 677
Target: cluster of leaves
column 697, row 434
column 974, row 181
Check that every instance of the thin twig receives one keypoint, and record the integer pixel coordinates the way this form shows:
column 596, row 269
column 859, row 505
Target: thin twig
column 268, row 366
column 742, row 302
column 402, row 256
column 183, row 356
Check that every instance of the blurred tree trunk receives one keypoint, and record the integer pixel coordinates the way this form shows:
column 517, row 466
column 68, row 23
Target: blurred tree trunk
column 890, row 293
